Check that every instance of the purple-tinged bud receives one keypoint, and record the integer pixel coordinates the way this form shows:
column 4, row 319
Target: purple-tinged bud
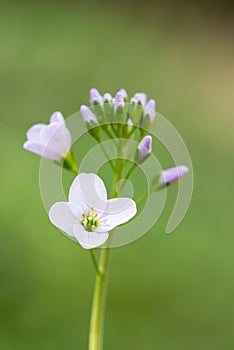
column 144, row 149
column 91, row 122
column 107, row 97
column 150, row 110
column 172, row 175
column 124, row 93
column 119, row 100
column 95, row 96
column 140, row 97
column 88, row 115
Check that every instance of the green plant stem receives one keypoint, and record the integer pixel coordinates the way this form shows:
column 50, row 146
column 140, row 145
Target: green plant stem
column 98, row 306
column 130, row 171
column 94, row 261
column 107, row 156
column 99, row 298
column 142, row 198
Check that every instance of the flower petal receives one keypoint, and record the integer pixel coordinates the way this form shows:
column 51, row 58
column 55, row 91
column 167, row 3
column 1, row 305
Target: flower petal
column 64, row 215
column 57, row 137
column 33, row 134
column 89, row 191
column 117, row 212
column 57, row 117
column 41, row 150
column 89, row 240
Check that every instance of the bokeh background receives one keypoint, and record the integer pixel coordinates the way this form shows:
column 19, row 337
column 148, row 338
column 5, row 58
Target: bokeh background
column 166, row 291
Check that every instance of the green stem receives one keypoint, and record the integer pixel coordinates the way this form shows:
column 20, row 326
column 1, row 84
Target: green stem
column 130, row 171
column 96, row 331
column 108, row 133
column 98, row 307
column 94, row 261
column 142, row 198
column 107, row 156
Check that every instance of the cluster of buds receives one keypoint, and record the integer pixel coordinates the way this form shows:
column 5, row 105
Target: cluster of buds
column 121, row 116
column 124, row 113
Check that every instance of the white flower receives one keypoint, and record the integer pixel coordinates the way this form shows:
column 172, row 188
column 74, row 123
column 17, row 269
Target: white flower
column 51, row 141
column 88, row 216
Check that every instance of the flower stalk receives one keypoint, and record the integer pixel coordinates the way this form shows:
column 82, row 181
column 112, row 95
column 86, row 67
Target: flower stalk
column 96, row 331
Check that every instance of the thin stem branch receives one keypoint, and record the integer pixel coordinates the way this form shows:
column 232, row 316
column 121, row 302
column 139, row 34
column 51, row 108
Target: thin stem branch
column 108, row 133
column 130, row 171
column 107, row 156
column 142, row 198
column 94, row 260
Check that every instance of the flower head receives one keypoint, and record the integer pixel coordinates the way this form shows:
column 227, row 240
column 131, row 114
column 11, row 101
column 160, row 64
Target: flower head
column 51, row 141
column 144, row 149
column 172, row 175
column 88, row 216
column 119, row 110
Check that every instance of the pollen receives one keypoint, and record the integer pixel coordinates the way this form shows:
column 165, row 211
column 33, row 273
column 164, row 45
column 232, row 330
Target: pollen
column 90, row 221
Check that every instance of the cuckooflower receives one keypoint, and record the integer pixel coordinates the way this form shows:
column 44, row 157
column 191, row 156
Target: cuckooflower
column 171, row 175
column 51, row 141
column 88, row 216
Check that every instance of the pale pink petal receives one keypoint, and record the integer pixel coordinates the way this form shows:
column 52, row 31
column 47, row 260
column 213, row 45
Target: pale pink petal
column 117, row 212
column 64, row 215
column 41, row 150
column 33, row 134
column 89, row 240
column 89, row 191
column 34, row 147
column 57, row 117
column 57, row 137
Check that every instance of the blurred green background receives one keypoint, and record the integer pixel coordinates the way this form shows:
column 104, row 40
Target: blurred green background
column 166, row 291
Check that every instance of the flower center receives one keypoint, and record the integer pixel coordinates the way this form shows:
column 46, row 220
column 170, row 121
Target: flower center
column 89, row 221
